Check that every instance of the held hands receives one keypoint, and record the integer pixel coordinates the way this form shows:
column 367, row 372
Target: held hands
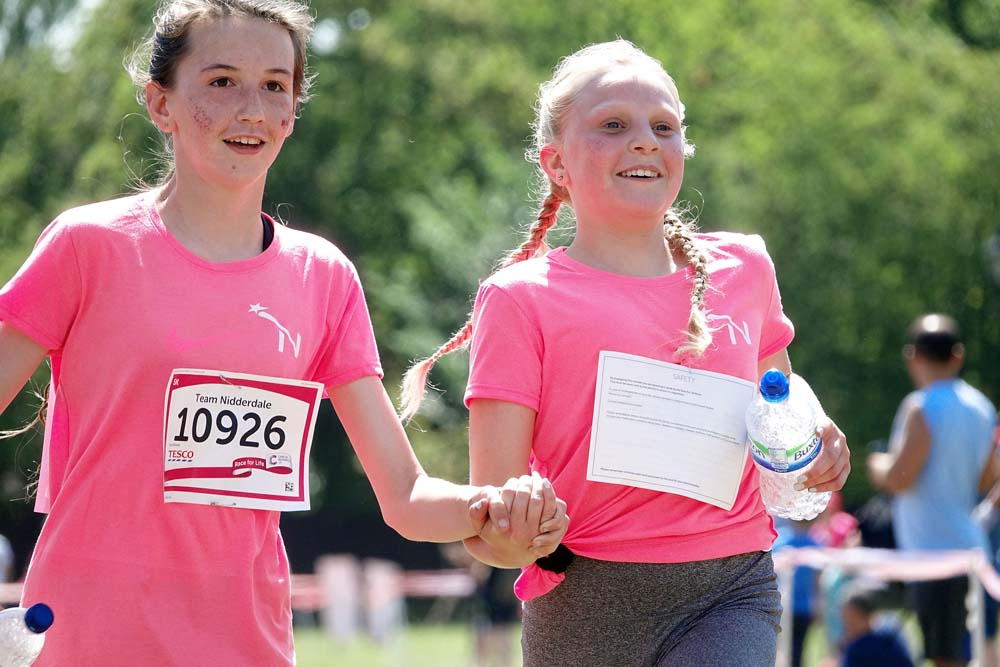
column 830, row 470
column 523, row 519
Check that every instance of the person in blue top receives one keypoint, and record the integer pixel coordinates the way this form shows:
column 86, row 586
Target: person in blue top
column 940, row 461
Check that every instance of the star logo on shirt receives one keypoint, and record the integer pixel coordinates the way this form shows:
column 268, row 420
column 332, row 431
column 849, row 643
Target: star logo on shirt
column 283, row 331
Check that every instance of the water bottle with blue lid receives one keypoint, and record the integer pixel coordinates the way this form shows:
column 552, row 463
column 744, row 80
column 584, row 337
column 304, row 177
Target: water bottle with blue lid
column 22, row 634
column 781, row 424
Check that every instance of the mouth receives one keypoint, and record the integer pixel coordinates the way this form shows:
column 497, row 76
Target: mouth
column 245, row 145
column 642, row 174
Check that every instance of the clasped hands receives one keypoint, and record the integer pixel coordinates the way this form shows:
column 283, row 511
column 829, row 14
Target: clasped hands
column 520, row 521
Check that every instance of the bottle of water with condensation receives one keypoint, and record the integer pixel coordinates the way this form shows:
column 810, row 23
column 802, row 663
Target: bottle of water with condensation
column 781, row 423
column 22, row 634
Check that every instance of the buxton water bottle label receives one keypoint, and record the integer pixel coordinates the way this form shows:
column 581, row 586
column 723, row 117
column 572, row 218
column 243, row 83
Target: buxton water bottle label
column 786, row 460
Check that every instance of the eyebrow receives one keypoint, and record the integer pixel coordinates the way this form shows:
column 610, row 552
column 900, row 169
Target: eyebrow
column 231, row 68
column 614, row 106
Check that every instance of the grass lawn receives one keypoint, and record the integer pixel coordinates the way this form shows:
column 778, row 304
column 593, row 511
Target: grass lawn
column 423, row 645
column 450, row 645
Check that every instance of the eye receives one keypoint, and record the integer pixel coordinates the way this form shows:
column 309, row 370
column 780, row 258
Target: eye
column 663, row 128
column 275, row 86
column 221, row 82
column 613, row 125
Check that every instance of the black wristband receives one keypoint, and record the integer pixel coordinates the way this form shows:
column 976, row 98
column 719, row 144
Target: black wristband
column 557, row 561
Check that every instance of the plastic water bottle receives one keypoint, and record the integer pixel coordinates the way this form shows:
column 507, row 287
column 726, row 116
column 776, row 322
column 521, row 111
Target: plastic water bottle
column 781, row 423
column 22, row 634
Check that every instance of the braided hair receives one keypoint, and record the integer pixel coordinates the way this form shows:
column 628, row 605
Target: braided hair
column 555, row 97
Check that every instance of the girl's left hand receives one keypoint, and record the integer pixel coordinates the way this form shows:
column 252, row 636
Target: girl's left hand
column 833, row 465
column 524, row 515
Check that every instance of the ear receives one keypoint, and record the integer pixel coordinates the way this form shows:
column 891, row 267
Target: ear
column 157, row 107
column 551, row 162
column 291, row 124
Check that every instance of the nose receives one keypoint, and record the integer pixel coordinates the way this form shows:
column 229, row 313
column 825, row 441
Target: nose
column 251, row 109
column 643, row 140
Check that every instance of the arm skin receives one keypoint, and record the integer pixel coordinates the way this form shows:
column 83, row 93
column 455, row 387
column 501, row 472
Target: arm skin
column 830, row 470
column 19, row 357
column 897, row 471
column 500, row 436
column 424, row 508
column 417, row 506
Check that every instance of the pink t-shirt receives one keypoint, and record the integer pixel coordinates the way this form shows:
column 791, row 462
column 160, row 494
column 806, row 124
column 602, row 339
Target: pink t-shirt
column 119, row 303
column 539, row 328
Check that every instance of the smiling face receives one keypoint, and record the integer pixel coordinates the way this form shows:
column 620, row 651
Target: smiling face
column 230, row 106
column 621, row 153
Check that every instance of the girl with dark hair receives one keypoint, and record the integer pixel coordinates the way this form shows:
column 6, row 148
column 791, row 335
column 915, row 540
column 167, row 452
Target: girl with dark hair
column 191, row 339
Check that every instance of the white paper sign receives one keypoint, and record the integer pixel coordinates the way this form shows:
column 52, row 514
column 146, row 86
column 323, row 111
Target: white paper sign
column 238, row 440
column 669, row 428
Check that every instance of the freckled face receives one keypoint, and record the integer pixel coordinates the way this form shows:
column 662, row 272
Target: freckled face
column 231, row 105
column 622, row 148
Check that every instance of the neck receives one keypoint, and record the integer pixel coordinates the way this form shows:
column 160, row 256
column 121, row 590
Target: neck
column 640, row 253
column 220, row 225
column 932, row 375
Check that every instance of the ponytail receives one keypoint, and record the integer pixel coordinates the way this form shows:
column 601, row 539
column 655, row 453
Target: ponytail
column 415, row 380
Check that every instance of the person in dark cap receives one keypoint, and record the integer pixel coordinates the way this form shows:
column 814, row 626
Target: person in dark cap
column 940, row 461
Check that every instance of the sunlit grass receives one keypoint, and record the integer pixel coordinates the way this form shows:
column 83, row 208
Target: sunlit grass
column 424, row 645
column 451, row 645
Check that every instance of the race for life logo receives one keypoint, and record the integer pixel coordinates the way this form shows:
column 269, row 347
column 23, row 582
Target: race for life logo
column 730, row 324
column 283, row 332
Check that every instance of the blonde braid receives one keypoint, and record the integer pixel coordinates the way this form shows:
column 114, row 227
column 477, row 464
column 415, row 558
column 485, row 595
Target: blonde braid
column 415, row 380
column 680, row 240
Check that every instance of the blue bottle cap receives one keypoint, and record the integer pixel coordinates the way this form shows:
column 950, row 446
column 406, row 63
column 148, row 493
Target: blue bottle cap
column 38, row 618
column 774, row 386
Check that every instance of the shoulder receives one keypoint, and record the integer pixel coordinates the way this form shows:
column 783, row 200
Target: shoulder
column 976, row 396
column 313, row 249
column 524, row 276
column 102, row 216
column 913, row 402
column 94, row 225
column 747, row 248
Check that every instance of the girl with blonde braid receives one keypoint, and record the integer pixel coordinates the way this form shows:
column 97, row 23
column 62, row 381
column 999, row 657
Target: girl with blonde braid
column 643, row 577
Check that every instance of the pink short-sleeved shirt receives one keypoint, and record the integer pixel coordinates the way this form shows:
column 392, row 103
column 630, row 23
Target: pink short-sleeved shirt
column 119, row 303
column 539, row 327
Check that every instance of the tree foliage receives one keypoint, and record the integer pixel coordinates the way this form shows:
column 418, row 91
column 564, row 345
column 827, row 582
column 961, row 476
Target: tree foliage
column 858, row 138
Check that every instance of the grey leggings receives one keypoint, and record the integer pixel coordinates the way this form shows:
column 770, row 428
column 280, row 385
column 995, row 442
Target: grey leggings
column 719, row 613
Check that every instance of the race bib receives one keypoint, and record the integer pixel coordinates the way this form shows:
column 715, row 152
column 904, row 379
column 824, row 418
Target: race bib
column 238, row 440
column 665, row 427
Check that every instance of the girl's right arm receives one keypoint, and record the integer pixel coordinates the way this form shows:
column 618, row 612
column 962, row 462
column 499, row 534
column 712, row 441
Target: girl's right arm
column 500, row 434
column 19, row 357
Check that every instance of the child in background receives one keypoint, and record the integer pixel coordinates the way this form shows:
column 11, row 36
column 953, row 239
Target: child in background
column 865, row 643
column 643, row 577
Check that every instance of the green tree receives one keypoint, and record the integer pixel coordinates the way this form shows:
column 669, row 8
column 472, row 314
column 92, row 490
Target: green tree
column 858, row 138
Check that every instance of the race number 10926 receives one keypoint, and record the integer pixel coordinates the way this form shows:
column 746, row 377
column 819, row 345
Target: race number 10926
column 226, row 427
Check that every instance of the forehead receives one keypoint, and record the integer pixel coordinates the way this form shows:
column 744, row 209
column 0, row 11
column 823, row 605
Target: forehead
column 629, row 86
column 240, row 41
